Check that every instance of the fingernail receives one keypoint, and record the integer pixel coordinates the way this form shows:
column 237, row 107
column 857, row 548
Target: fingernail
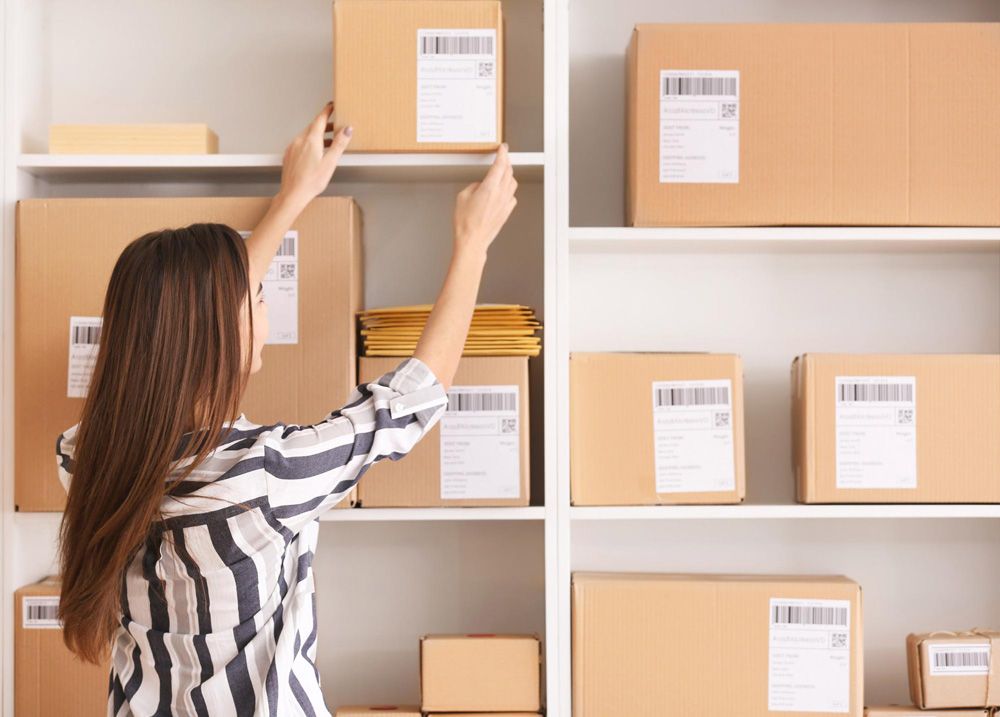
column 330, row 103
column 348, row 131
column 505, row 147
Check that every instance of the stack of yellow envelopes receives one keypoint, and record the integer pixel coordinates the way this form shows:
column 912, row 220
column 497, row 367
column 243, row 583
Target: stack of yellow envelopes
column 496, row 330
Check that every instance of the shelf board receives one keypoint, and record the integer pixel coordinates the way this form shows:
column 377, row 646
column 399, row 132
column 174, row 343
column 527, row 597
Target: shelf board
column 603, row 240
column 432, row 514
column 528, row 166
column 781, row 512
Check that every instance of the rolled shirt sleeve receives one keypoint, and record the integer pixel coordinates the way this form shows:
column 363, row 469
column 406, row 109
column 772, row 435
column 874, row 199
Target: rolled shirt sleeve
column 65, row 446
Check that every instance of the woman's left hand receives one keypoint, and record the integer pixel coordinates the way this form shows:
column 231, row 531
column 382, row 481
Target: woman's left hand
column 311, row 159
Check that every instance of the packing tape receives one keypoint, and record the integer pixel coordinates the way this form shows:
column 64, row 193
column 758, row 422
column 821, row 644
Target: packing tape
column 992, row 697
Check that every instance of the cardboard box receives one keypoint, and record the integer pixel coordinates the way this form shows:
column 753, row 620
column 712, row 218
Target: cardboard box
column 484, row 714
column 954, row 669
column 647, row 645
column 132, row 139
column 480, row 673
column 49, row 680
column 419, row 75
column 66, row 249
column 653, row 429
column 379, row 711
column 910, row 711
column 472, row 457
column 813, row 124
column 897, row 428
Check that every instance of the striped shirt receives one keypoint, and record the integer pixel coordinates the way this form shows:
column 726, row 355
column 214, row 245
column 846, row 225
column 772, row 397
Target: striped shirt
column 219, row 605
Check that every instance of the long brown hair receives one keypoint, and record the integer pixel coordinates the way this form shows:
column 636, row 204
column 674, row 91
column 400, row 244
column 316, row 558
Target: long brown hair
column 171, row 361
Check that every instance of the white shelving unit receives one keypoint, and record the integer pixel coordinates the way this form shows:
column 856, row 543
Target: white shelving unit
column 255, row 71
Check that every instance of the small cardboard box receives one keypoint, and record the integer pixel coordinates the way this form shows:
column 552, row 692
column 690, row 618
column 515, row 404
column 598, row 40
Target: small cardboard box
column 896, row 428
column 480, row 673
column 484, row 714
column 478, row 455
column 648, row 644
column 66, row 250
column 132, row 139
column 49, row 680
column 910, row 711
column 379, row 711
column 842, row 124
column 419, row 75
column 654, row 429
column 954, row 669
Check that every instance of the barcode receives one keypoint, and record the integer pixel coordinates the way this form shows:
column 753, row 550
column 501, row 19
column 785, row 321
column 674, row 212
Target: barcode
column 808, row 615
column 86, row 335
column 978, row 658
column 44, row 613
column 482, row 401
column 884, row 392
column 287, row 247
column 692, row 396
column 699, row 86
column 449, row 45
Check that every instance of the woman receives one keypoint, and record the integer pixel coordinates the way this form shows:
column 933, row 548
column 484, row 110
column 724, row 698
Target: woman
column 189, row 532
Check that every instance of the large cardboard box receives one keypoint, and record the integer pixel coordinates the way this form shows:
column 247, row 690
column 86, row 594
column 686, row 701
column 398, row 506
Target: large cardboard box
column 419, row 75
column 954, row 669
column 652, row 429
column 49, row 680
column 379, row 711
column 480, row 673
column 909, row 711
column 132, row 139
column 897, row 428
column 484, row 714
column 66, row 249
column 813, row 124
column 478, row 455
column 647, row 645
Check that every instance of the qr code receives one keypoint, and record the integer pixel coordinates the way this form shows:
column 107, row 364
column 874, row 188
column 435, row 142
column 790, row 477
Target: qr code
column 722, row 420
column 286, row 271
column 728, row 110
column 904, row 417
column 508, row 425
column 838, row 639
column 486, row 69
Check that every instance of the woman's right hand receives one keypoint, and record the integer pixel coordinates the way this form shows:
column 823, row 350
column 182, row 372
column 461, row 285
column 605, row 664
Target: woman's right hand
column 482, row 208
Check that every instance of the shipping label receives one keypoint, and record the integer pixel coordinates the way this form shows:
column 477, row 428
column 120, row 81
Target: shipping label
column 693, row 436
column 958, row 659
column 84, row 342
column 480, row 443
column 457, row 85
column 281, row 291
column 809, row 659
column 699, row 126
column 40, row 612
column 876, row 431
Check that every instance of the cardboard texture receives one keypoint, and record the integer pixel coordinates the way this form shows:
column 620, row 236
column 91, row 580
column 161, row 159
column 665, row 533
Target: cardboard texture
column 480, row 673
column 484, row 714
column 842, row 124
column 375, row 58
column 416, row 480
column 132, row 139
column 957, row 420
column 954, row 669
column 648, row 645
column 66, row 250
column 910, row 711
column 379, row 711
column 613, row 444
column 49, row 681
